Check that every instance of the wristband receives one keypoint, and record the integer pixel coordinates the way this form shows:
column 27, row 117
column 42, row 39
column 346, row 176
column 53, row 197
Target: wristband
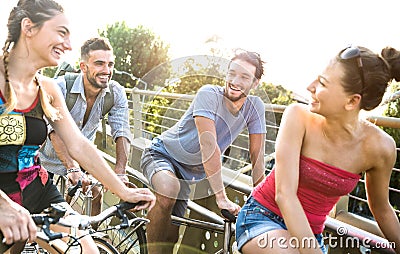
column 50, row 134
column 122, row 175
column 73, row 170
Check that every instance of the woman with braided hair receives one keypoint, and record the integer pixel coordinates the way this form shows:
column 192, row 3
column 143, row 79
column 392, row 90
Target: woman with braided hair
column 38, row 36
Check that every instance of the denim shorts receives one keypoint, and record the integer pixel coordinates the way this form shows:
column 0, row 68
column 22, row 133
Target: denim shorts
column 254, row 219
column 153, row 161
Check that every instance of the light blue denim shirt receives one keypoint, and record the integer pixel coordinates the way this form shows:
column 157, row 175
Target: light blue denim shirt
column 118, row 119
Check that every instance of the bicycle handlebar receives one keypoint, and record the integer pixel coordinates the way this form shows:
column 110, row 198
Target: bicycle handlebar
column 118, row 210
column 73, row 188
column 54, row 215
column 228, row 215
column 71, row 191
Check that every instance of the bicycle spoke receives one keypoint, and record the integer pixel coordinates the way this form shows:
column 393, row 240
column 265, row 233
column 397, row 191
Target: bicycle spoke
column 127, row 241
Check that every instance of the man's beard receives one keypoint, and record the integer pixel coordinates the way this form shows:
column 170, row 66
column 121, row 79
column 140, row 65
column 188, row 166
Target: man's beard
column 95, row 84
column 233, row 98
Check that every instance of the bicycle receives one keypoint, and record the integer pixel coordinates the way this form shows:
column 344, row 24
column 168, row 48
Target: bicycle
column 130, row 239
column 227, row 228
column 213, row 222
column 126, row 242
column 50, row 242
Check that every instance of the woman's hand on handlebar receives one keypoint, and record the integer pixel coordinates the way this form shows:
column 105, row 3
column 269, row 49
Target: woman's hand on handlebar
column 16, row 223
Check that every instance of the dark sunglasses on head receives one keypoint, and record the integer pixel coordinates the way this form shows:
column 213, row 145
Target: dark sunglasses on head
column 352, row 52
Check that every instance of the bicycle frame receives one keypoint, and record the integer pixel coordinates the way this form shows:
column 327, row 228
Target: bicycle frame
column 220, row 225
column 86, row 197
column 227, row 229
column 51, row 241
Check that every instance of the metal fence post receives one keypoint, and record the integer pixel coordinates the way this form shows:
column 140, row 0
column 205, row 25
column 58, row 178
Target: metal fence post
column 137, row 115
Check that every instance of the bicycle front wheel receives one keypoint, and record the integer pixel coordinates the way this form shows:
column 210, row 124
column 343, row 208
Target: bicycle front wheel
column 131, row 240
column 104, row 246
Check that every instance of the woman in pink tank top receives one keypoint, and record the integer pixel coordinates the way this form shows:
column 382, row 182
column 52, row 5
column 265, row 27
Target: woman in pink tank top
column 322, row 149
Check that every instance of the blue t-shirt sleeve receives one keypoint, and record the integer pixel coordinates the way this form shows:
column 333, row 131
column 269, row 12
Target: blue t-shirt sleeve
column 257, row 122
column 205, row 102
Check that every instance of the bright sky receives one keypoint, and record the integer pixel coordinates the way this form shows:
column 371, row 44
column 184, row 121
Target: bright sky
column 295, row 37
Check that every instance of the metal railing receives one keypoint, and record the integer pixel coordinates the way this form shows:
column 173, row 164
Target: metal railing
column 237, row 157
column 148, row 119
column 143, row 108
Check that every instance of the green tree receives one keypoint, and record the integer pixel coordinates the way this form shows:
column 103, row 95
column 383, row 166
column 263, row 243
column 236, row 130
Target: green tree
column 274, row 94
column 137, row 50
column 49, row 71
column 180, row 76
column 187, row 75
column 393, row 110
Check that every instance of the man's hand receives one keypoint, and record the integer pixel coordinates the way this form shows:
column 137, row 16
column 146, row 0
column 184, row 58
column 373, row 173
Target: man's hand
column 16, row 223
column 225, row 203
column 124, row 178
column 143, row 195
column 74, row 177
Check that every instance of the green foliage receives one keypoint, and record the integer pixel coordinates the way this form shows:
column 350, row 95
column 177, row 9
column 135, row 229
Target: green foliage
column 191, row 73
column 49, row 71
column 137, row 50
column 392, row 110
column 274, row 94
column 195, row 71
column 180, row 76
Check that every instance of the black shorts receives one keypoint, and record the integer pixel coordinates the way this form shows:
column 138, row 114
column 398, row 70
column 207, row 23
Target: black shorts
column 37, row 197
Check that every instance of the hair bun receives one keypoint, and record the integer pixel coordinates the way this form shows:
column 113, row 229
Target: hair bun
column 392, row 57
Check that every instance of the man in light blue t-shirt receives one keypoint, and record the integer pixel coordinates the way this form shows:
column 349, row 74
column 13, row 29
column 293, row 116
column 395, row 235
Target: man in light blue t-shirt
column 191, row 150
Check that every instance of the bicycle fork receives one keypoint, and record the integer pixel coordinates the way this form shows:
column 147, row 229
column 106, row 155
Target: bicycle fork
column 227, row 237
column 88, row 203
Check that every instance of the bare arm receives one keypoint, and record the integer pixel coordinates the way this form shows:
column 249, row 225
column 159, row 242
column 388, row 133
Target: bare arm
column 211, row 157
column 257, row 147
column 377, row 185
column 67, row 160
column 16, row 223
column 288, row 148
column 122, row 154
column 62, row 152
column 86, row 154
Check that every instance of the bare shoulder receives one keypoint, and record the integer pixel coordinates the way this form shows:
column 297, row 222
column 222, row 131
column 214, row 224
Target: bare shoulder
column 49, row 85
column 51, row 88
column 300, row 113
column 379, row 142
column 297, row 109
column 46, row 82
